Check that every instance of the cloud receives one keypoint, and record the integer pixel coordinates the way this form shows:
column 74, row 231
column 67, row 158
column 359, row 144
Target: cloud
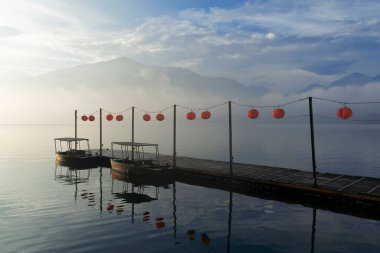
column 8, row 31
column 270, row 36
column 312, row 40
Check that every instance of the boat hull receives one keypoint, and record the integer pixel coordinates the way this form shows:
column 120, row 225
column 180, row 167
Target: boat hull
column 78, row 161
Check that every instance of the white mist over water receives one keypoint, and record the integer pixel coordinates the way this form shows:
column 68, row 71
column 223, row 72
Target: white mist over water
column 340, row 148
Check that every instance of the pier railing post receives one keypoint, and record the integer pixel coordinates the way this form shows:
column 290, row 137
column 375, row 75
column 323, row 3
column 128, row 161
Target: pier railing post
column 230, row 136
column 174, row 135
column 76, row 128
column 133, row 132
column 101, row 133
column 312, row 141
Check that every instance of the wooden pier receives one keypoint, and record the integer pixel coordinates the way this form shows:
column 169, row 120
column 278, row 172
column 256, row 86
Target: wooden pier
column 355, row 195
column 345, row 193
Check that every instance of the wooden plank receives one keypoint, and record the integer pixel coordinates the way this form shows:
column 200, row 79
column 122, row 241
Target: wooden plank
column 272, row 173
column 286, row 176
column 360, row 179
column 330, row 180
column 373, row 189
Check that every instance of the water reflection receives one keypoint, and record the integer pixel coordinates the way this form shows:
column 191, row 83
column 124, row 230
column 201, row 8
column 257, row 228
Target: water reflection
column 131, row 191
column 71, row 176
column 313, row 229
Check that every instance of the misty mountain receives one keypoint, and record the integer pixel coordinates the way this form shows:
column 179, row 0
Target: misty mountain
column 354, row 80
column 13, row 77
column 124, row 72
column 311, row 87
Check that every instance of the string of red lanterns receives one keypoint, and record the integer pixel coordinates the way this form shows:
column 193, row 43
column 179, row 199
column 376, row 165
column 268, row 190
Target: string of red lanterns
column 278, row 113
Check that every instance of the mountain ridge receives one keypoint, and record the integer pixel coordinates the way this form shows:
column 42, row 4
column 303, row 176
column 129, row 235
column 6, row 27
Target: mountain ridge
column 126, row 72
column 352, row 80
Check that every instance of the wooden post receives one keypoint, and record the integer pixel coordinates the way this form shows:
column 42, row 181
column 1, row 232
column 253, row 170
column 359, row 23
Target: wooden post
column 101, row 133
column 174, row 135
column 230, row 136
column 76, row 128
column 312, row 141
column 133, row 132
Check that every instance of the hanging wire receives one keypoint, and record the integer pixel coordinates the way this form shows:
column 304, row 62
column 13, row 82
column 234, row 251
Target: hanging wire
column 236, row 103
column 202, row 108
column 92, row 113
column 269, row 106
column 109, row 112
column 153, row 112
column 346, row 103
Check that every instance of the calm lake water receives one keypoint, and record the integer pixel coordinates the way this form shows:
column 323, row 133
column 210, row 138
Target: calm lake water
column 49, row 208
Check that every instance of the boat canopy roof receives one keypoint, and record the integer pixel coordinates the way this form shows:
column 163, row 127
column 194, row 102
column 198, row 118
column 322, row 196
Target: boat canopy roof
column 134, row 144
column 70, row 139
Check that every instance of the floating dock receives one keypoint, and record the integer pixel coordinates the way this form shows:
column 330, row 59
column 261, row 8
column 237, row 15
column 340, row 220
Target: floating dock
column 355, row 195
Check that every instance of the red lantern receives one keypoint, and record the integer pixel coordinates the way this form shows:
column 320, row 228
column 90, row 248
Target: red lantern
column 160, row 117
column 278, row 113
column 205, row 115
column 119, row 117
column 84, row 118
column 109, row 117
column 253, row 114
column 91, row 118
column 146, row 117
column 344, row 112
column 191, row 115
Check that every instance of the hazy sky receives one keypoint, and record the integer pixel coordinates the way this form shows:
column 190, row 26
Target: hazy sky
column 255, row 42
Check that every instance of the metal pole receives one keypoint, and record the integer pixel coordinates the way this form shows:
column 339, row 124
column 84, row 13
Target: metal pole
column 101, row 132
column 230, row 136
column 174, row 135
column 133, row 131
column 174, row 211
column 312, row 140
column 76, row 128
column 101, row 189
column 313, row 230
column 229, row 223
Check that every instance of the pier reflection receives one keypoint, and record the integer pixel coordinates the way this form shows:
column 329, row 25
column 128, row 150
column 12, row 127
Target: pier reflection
column 113, row 193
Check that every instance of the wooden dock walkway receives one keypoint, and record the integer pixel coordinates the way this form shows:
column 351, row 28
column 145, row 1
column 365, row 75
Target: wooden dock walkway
column 344, row 193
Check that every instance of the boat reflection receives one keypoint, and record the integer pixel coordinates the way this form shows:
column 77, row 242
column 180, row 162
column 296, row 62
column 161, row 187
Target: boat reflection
column 141, row 180
column 70, row 175
column 124, row 192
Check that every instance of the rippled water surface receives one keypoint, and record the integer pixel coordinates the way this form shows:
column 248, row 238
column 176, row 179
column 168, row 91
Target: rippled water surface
column 49, row 208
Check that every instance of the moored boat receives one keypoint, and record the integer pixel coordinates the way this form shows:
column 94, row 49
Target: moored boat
column 69, row 152
column 134, row 160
